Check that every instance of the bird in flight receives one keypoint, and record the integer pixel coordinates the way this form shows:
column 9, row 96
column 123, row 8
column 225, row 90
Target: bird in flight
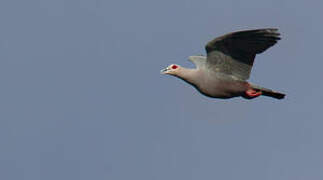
column 224, row 72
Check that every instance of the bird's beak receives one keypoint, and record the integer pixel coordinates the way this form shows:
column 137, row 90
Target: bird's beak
column 164, row 71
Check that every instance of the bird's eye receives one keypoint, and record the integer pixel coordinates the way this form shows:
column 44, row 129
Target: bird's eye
column 174, row 67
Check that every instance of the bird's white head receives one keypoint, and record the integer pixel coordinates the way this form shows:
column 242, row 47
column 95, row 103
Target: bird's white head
column 171, row 69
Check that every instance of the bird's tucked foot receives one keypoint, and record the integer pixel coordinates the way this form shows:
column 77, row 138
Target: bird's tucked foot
column 251, row 93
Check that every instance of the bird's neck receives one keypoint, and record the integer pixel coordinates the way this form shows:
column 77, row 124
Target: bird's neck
column 188, row 75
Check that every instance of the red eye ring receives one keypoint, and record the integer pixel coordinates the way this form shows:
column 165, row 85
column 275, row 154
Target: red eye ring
column 174, row 66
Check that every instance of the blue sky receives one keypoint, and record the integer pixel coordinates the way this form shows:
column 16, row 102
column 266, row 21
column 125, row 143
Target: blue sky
column 81, row 95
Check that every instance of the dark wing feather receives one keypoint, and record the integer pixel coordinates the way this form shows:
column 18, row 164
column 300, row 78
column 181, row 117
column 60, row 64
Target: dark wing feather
column 234, row 53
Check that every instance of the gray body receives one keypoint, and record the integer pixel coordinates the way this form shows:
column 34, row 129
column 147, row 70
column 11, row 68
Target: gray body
column 216, row 85
column 223, row 73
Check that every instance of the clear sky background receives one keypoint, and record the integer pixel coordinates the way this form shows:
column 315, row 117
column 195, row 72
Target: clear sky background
column 81, row 96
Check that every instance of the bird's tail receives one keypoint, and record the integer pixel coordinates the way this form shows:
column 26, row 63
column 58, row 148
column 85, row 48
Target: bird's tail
column 273, row 94
column 268, row 92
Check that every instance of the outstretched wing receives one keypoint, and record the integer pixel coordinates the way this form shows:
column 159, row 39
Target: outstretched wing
column 234, row 53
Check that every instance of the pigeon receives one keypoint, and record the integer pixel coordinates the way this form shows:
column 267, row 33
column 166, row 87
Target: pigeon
column 224, row 71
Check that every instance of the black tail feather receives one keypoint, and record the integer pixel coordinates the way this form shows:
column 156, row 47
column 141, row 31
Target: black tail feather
column 273, row 94
column 268, row 92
